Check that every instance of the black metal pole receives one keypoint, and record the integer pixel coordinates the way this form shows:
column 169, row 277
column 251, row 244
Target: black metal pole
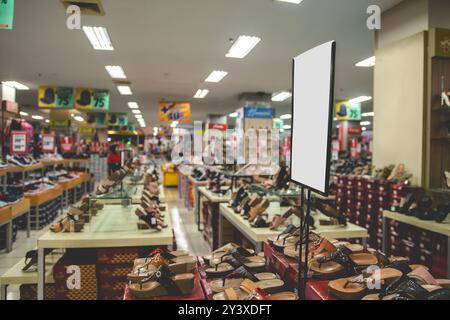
column 307, row 219
column 299, row 275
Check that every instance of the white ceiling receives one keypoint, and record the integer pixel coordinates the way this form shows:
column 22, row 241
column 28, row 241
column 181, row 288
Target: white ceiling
column 168, row 47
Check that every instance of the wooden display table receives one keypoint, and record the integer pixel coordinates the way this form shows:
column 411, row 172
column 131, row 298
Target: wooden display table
column 33, row 167
column 258, row 235
column 15, row 275
column 439, row 228
column 37, row 199
column 52, row 162
column 11, row 212
column 113, row 227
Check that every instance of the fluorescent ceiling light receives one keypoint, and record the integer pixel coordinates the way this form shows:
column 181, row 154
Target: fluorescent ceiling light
column 16, row 85
column 99, row 38
column 37, row 117
column 233, row 115
column 366, row 63
column 143, row 126
column 138, row 116
column 133, row 105
column 365, row 123
column 281, row 130
column 216, row 76
column 368, row 114
column 359, row 100
column 47, row 121
column 201, row 93
column 125, row 90
column 291, row 1
column 136, row 111
column 23, row 113
column 287, row 127
column 364, row 129
column 79, row 118
column 242, row 47
column 116, row 72
column 281, row 96
column 286, row 117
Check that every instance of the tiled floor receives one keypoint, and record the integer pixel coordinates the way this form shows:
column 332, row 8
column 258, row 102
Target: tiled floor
column 185, row 228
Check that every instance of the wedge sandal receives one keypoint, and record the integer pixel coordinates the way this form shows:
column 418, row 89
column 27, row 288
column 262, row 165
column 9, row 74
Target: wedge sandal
column 249, row 290
column 163, row 283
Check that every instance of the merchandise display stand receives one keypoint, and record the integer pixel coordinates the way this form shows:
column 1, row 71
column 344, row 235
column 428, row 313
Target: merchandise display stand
column 439, row 228
column 113, row 227
column 37, row 201
column 210, row 228
column 15, row 275
column 258, row 235
column 9, row 213
column 193, row 194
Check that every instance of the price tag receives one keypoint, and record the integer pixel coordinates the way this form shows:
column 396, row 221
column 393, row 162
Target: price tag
column 19, row 142
column 66, row 144
column 48, row 143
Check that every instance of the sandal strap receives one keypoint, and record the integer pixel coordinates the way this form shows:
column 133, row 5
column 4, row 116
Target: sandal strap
column 163, row 277
column 240, row 272
column 231, row 294
column 342, row 257
column 408, row 289
column 248, row 286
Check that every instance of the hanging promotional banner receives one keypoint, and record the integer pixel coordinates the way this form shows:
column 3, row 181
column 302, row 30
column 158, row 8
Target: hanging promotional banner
column 66, row 144
column 218, row 126
column 174, row 111
column 345, row 111
column 19, row 142
column 92, row 99
column 48, row 143
column 117, row 119
column 55, row 97
column 354, row 148
column 86, row 130
column 258, row 112
column 6, row 14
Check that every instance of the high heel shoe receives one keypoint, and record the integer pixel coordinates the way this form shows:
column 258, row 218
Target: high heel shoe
column 278, row 220
column 258, row 210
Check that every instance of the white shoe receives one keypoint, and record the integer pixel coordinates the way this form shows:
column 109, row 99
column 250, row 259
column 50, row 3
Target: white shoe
column 445, row 99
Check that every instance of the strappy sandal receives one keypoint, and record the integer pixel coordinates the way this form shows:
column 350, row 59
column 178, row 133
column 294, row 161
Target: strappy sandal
column 168, row 255
column 178, row 265
column 163, row 283
column 416, row 285
column 248, row 290
column 218, row 253
column 258, row 210
column 230, row 264
column 238, row 253
column 286, row 232
column 341, row 263
column 278, row 220
column 264, row 280
column 261, row 222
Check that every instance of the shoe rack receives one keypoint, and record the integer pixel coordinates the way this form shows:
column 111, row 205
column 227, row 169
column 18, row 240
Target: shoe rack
column 439, row 124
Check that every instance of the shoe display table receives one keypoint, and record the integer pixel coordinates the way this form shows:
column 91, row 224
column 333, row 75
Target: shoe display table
column 136, row 193
column 113, row 227
column 208, row 207
column 442, row 229
column 15, row 275
column 11, row 212
column 193, row 194
column 230, row 220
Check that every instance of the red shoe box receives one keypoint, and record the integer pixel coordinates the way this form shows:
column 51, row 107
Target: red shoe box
column 197, row 292
column 318, row 291
column 277, row 262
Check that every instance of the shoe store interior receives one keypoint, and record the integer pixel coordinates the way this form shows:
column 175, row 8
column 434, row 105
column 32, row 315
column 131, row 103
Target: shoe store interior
column 225, row 150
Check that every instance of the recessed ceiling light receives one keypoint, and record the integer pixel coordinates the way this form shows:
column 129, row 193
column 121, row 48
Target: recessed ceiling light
column 216, row 76
column 99, row 38
column 37, row 117
column 286, row 116
column 242, row 47
column 116, row 72
column 125, row 90
column 365, row 123
column 281, row 96
column 291, row 1
column 201, row 93
column 136, row 111
column 233, row 115
column 133, row 105
column 287, row 127
column 16, row 85
column 368, row 114
column 47, row 121
column 359, row 100
column 367, row 63
column 23, row 113
column 79, row 118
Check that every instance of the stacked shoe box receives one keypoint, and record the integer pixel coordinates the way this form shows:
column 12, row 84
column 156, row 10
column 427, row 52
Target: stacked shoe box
column 363, row 200
column 75, row 275
column 114, row 265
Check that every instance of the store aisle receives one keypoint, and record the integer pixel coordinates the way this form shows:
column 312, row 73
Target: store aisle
column 186, row 233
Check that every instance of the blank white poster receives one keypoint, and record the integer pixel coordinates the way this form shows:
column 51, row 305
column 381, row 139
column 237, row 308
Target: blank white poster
column 313, row 99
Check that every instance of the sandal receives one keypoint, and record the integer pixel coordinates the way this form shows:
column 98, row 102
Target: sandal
column 341, row 263
column 258, row 210
column 278, row 220
column 163, row 283
column 230, row 264
column 249, row 290
column 234, row 279
column 286, row 232
column 168, row 255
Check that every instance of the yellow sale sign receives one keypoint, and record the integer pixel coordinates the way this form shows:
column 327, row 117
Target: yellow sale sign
column 174, row 111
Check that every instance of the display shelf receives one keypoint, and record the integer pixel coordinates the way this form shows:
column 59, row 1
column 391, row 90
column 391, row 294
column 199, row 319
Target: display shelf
column 137, row 194
column 214, row 197
column 20, row 208
column 258, row 235
column 4, row 171
column 37, row 199
column 440, row 228
column 13, row 169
